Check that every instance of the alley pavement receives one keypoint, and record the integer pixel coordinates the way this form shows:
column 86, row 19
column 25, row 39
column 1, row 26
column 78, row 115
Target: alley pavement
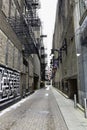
column 73, row 117
column 46, row 109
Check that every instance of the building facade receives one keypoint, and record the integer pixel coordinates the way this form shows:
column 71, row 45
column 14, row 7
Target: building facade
column 69, row 48
column 19, row 24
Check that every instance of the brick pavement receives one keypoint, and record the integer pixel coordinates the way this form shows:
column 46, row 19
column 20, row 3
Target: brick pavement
column 39, row 111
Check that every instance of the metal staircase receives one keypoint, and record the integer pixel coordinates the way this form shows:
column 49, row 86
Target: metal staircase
column 24, row 24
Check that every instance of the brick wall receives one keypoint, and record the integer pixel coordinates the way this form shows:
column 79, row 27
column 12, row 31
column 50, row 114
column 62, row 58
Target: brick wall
column 11, row 47
column 3, row 42
column 10, row 56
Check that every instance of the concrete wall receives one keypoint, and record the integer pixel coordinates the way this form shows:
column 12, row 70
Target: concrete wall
column 76, row 15
column 69, row 24
column 31, row 73
column 37, row 68
column 64, row 29
column 79, row 18
column 69, row 60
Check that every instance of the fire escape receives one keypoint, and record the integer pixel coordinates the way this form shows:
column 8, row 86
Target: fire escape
column 24, row 24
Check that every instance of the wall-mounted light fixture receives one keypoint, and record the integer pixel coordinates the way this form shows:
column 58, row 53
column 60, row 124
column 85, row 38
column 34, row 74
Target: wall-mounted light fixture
column 78, row 54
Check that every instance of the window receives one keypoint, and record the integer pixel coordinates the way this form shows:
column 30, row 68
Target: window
column 5, row 7
column 13, row 8
column 83, row 6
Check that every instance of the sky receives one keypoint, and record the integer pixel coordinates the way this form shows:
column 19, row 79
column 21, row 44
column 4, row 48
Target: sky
column 47, row 14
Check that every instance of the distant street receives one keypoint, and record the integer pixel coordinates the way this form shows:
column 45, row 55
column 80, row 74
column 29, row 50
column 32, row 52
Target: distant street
column 36, row 112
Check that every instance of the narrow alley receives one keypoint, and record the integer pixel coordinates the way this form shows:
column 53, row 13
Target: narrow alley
column 46, row 109
column 43, row 64
column 37, row 112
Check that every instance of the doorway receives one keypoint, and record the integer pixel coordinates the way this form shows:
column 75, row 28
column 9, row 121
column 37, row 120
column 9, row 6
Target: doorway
column 36, row 80
column 73, row 88
column 23, row 85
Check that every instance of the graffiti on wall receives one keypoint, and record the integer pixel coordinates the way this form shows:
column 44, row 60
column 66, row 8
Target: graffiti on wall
column 9, row 83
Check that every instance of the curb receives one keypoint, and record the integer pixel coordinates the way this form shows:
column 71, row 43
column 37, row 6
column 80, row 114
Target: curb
column 78, row 105
column 61, row 93
column 9, row 103
column 12, row 101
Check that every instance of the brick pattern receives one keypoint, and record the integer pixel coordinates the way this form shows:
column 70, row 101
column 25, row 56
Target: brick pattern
column 21, row 63
column 9, row 51
column 10, row 54
column 7, row 29
column 15, row 58
column 39, row 112
column 3, row 40
column 10, row 46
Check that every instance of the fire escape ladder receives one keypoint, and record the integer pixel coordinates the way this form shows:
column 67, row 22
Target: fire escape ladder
column 23, row 27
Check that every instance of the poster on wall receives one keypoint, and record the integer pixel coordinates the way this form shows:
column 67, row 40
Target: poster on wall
column 9, row 83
